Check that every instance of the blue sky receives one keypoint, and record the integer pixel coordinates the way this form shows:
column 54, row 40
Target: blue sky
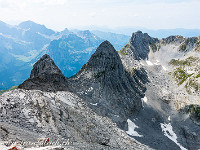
column 59, row 14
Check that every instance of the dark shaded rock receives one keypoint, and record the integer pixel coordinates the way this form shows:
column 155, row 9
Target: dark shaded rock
column 108, row 88
column 139, row 44
column 45, row 76
column 193, row 111
column 191, row 138
column 173, row 39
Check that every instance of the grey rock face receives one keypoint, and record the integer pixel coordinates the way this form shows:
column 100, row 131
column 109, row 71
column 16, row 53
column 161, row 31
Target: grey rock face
column 45, row 66
column 173, row 39
column 61, row 117
column 161, row 94
column 45, row 76
column 191, row 138
column 139, row 45
column 107, row 87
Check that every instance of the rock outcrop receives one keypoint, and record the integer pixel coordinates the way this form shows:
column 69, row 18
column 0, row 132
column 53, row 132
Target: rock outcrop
column 107, row 87
column 45, row 76
column 139, row 45
column 163, row 95
column 63, row 117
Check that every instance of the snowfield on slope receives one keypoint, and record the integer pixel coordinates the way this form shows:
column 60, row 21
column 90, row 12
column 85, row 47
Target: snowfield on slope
column 168, row 132
column 131, row 129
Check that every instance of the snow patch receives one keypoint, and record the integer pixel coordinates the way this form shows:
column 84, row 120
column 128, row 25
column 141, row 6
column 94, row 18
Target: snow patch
column 90, row 89
column 169, row 118
column 131, row 129
column 157, row 62
column 149, row 63
column 142, row 64
column 3, row 147
column 164, row 68
column 168, row 132
column 94, row 104
column 145, row 99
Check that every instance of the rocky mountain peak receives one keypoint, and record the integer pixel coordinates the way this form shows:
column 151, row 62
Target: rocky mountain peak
column 105, row 47
column 104, row 82
column 105, row 59
column 85, row 33
column 66, row 31
column 44, row 66
column 173, row 39
column 45, row 76
column 139, row 45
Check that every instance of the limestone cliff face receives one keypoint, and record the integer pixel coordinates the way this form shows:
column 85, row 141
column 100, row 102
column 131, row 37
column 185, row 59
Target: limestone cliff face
column 45, row 76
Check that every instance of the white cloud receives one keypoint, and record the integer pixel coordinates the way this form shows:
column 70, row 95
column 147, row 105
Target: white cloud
column 59, row 14
column 50, row 2
column 93, row 14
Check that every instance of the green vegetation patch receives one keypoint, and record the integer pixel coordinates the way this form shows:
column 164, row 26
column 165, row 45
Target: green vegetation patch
column 123, row 51
column 186, row 62
column 193, row 110
column 181, row 76
column 192, row 84
column 183, row 47
column 198, row 75
column 197, row 48
column 132, row 71
column 179, row 62
column 154, row 47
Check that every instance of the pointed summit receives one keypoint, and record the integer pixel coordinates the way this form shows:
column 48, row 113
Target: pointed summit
column 45, row 66
column 45, row 76
column 139, row 45
column 106, row 47
column 105, row 59
column 105, row 83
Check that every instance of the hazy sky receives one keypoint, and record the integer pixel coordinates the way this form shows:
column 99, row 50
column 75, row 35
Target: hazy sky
column 59, row 14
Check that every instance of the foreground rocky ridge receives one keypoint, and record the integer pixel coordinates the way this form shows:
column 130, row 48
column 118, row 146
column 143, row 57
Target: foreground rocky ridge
column 114, row 92
column 59, row 116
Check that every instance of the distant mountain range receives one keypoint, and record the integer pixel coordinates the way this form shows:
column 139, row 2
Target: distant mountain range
column 143, row 97
column 24, row 44
column 159, row 33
